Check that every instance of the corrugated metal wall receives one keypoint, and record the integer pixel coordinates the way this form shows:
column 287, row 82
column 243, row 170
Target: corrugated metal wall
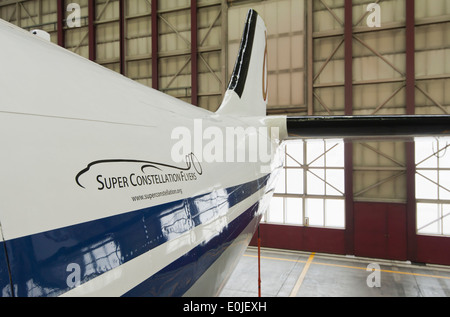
column 286, row 50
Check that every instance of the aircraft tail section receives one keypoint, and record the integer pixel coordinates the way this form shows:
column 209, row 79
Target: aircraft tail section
column 247, row 91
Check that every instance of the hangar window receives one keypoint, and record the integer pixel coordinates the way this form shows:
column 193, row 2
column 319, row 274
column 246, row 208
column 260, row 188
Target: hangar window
column 310, row 190
column 433, row 186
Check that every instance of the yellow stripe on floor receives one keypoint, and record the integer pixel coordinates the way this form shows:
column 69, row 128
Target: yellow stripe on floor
column 349, row 267
column 302, row 276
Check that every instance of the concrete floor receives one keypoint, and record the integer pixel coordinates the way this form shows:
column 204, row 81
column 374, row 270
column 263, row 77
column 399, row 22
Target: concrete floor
column 303, row 274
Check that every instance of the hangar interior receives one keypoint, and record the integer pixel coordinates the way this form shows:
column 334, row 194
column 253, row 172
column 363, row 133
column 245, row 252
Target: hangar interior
column 383, row 199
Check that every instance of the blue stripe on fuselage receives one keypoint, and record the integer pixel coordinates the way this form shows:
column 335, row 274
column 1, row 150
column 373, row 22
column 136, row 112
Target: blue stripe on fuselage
column 5, row 283
column 49, row 263
column 179, row 276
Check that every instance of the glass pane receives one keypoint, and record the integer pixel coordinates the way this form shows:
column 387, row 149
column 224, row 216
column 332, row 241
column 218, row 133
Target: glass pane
column 314, row 211
column 433, row 184
column 315, row 185
column 444, row 182
column 425, row 188
column 336, row 179
column 295, row 181
column 425, row 147
column 427, row 218
column 444, row 155
column 295, row 150
column 441, row 146
column 276, row 210
column 446, row 219
column 335, row 213
column 315, row 150
column 294, row 213
column 335, row 157
column 280, row 188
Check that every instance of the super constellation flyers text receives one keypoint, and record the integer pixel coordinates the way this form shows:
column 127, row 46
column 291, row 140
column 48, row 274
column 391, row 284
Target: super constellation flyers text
column 143, row 180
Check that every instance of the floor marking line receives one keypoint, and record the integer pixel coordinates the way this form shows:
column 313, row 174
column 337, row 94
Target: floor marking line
column 302, row 276
column 273, row 258
column 351, row 267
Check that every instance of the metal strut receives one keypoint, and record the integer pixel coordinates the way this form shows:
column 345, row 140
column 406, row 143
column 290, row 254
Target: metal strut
column 259, row 264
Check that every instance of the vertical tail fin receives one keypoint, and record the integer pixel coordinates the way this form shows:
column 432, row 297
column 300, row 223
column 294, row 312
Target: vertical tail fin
column 247, row 90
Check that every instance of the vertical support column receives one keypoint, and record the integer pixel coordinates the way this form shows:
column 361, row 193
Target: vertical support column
column 310, row 56
column 410, row 58
column 194, row 55
column 60, row 23
column 18, row 15
column 40, row 11
column 348, row 34
column 122, row 36
column 410, row 146
column 155, row 45
column 348, row 151
column 91, row 30
column 411, row 202
column 349, row 203
column 224, row 46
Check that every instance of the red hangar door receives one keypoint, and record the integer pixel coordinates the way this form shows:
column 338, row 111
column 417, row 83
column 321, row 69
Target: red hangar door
column 380, row 230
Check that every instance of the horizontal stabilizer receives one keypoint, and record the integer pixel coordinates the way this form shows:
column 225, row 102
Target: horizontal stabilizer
column 368, row 126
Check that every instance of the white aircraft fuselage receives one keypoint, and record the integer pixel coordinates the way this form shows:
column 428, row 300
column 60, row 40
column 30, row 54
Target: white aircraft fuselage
column 111, row 188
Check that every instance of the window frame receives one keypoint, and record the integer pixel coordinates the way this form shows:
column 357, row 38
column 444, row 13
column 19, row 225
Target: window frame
column 313, row 168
